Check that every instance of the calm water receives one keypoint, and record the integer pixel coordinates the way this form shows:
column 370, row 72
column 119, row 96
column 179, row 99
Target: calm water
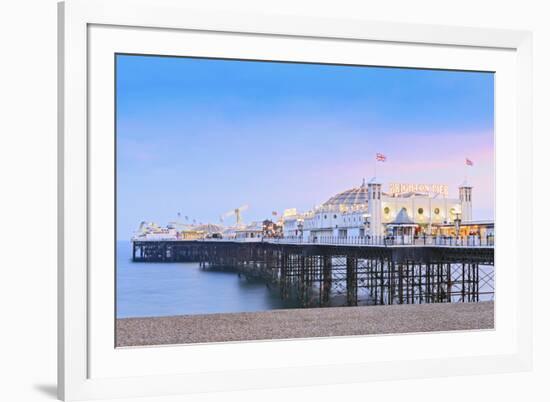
column 157, row 289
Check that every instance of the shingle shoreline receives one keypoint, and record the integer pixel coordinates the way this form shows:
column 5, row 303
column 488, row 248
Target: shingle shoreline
column 304, row 323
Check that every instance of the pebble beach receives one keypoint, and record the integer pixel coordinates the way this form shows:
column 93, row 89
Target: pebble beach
column 304, row 323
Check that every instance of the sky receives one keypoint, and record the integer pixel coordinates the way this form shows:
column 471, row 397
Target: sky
column 201, row 137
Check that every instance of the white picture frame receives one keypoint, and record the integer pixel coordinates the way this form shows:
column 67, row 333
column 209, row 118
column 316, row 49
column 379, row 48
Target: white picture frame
column 90, row 367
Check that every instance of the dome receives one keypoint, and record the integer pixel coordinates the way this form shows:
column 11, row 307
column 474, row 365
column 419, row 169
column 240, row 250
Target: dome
column 351, row 197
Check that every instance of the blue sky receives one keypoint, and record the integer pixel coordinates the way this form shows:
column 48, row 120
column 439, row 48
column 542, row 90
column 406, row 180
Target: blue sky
column 203, row 136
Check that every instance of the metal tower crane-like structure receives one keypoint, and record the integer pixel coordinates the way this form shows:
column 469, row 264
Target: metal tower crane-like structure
column 237, row 213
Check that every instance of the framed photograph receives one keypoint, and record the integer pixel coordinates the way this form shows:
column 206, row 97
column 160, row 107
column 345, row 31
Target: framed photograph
column 243, row 197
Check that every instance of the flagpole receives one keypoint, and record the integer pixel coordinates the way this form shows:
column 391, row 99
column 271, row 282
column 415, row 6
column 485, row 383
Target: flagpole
column 468, row 163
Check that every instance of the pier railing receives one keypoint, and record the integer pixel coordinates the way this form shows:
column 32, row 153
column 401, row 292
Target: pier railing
column 378, row 241
column 443, row 241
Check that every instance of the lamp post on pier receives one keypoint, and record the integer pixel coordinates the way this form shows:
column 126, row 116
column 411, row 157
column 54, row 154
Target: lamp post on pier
column 458, row 220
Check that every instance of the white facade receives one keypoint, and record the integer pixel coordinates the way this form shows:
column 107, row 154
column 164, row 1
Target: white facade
column 254, row 231
column 293, row 226
column 368, row 211
column 332, row 221
column 151, row 231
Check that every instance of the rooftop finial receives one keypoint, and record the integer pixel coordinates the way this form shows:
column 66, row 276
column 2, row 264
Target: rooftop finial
column 364, row 183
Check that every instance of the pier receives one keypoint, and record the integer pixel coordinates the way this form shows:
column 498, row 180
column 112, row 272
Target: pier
column 314, row 273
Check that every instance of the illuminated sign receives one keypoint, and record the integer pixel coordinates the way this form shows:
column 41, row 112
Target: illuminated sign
column 290, row 212
column 400, row 188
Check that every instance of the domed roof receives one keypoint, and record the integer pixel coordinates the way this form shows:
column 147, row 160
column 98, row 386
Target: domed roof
column 354, row 196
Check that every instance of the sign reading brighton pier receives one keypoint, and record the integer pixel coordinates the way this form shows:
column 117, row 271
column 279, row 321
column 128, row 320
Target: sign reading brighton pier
column 400, row 188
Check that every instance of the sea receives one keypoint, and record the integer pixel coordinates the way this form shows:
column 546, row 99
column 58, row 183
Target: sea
column 166, row 289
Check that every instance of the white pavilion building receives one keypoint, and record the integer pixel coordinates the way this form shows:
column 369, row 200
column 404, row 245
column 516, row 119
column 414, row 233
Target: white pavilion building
column 367, row 211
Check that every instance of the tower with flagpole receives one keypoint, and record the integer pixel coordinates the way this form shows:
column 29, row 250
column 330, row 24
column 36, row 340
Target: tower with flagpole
column 374, row 205
column 465, row 194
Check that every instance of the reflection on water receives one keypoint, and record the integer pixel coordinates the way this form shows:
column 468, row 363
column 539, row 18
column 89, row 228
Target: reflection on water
column 162, row 289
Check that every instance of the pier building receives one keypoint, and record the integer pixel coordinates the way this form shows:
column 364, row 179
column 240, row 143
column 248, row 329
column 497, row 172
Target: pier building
column 371, row 213
column 405, row 210
column 252, row 231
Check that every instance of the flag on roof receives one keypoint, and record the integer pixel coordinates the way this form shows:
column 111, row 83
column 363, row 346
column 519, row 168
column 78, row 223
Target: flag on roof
column 380, row 157
column 469, row 162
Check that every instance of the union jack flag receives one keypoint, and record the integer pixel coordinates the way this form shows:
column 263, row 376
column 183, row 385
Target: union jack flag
column 380, row 157
column 469, row 162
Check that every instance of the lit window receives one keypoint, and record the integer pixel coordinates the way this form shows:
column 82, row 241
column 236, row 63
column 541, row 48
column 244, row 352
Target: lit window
column 436, row 211
column 387, row 210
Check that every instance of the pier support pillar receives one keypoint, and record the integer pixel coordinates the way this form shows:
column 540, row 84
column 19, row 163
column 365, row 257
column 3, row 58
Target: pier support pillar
column 326, row 282
column 351, row 280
